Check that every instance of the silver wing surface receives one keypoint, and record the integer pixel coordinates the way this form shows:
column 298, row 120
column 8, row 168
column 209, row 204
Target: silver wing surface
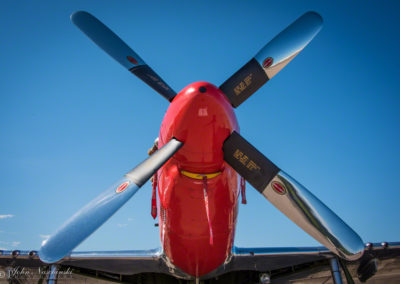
column 245, row 265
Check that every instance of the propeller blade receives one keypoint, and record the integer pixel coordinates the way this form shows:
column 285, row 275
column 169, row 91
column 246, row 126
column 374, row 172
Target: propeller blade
column 99, row 210
column 271, row 58
column 120, row 51
column 292, row 199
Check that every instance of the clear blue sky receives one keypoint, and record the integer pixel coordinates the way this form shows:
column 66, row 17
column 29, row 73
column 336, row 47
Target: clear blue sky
column 72, row 120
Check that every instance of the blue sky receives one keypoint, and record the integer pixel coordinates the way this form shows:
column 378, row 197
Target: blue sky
column 72, row 121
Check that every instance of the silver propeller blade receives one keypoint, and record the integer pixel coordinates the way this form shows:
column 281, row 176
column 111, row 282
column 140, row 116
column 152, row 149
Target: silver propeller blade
column 93, row 215
column 271, row 58
column 120, row 51
column 292, row 199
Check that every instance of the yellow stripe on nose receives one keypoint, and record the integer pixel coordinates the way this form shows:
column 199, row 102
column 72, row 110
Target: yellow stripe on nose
column 199, row 176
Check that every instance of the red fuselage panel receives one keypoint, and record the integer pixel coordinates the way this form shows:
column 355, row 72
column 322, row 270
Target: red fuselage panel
column 201, row 117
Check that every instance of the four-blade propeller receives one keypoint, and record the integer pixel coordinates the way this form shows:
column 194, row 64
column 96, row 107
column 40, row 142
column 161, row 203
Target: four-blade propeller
column 290, row 197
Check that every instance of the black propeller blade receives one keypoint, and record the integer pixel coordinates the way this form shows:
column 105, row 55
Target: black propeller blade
column 271, row 58
column 120, row 51
column 292, row 199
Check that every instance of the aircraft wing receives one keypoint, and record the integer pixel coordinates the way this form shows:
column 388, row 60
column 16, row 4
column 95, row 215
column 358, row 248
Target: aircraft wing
column 288, row 264
column 281, row 264
column 106, row 264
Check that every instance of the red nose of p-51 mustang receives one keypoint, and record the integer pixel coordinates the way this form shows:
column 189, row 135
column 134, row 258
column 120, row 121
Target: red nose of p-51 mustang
column 198, row 215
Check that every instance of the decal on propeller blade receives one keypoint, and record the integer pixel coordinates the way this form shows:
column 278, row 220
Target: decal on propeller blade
column 122, row 187
column 132, row 60
column 278, row 188
column 243, row 84
column 268, row 62
column 245, row 161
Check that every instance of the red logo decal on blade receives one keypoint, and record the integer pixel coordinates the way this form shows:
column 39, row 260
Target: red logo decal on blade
column 132, row 60
column 268, row 62
column 122, row 187
column 278, row 188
